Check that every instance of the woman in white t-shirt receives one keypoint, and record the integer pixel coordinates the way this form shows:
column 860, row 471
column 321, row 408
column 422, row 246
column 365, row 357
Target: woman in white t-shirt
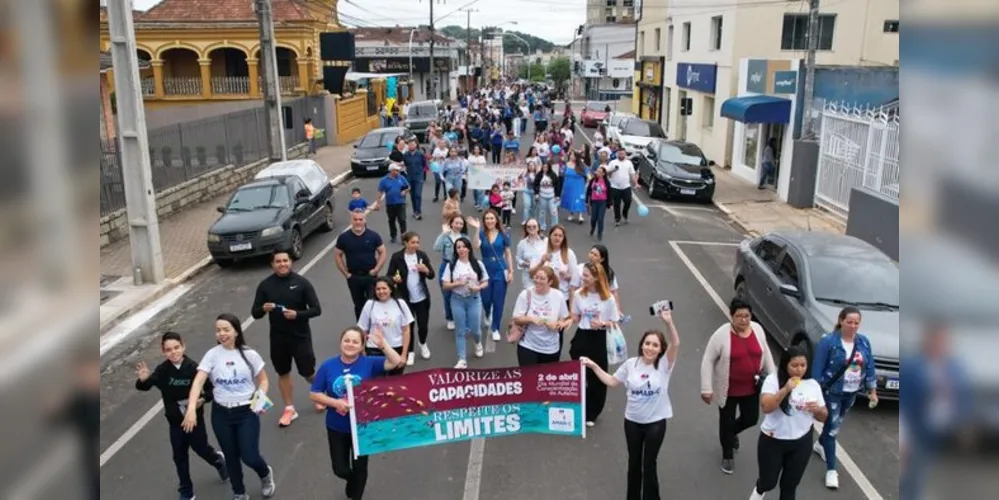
column 593, row 310
column 465, row 277
column 477, row 159
column 561, row 259
column 530, row 251
column 600, row 256
column 392, row 316
column 646, row 378
column 790, row 404
column 541, row 311
column 238, row 377
column 409, row 269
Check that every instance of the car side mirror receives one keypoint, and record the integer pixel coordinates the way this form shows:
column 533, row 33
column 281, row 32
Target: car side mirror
column 711, row 163
column 790, row 291
column 355, row 145
column 220, row 209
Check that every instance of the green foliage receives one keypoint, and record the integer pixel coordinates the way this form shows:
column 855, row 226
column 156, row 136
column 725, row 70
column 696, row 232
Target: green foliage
column 537, row 72
column 510, row 44
column 560, row 70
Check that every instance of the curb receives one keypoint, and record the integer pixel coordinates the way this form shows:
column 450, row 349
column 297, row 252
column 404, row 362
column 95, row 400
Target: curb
column 185, row 276
column 731, row 216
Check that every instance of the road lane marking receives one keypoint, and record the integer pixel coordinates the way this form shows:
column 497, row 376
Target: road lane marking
column 473, row 475
column 139, row 424
column 844, row 458
column 708, row 243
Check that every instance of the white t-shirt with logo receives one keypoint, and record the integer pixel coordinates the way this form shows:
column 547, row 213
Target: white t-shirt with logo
column 612, row 284
column 648, row 390
column 416, row 294
column 530, row 251
column 620, row 173
column 589, row 306
column 560, row 266
column 233, row 380
column 780, row 425
column 390, row 316
column 853, row 377
column 550, row 306
column 464, row 271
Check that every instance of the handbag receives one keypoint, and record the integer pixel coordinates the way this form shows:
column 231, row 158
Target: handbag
column 617, row 346
column 515, row 332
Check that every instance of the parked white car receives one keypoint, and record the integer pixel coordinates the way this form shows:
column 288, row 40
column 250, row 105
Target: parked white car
column 635, row 134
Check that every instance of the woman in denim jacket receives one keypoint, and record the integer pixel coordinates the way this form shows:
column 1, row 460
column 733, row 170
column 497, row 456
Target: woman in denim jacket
column 841, row 380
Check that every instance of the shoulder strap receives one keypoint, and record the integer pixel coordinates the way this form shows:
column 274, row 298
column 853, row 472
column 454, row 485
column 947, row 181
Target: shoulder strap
column 839, row 374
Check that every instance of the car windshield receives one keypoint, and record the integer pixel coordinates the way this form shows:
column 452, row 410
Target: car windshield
column 424, row 111
column 643, row 128
column 596, row 106
column 860, row 282
column 686, row 154
column 381, row 140
column 616, row 120
column 256, row 197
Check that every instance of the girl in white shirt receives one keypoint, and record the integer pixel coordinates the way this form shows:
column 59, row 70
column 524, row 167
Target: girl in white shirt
column 530, row 251
column 392, row 316
column 465, row 277
column 542, row 313
column 600, row 256
column 238, row 376
column 593, row 310
column 646, row 378
column 790, row 405
column 561, row 259
column 479, row 160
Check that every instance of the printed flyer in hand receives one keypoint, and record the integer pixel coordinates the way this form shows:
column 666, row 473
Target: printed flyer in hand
column 447, row 405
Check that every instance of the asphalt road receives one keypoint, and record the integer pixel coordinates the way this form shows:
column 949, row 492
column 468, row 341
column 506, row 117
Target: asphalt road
column 136, row 459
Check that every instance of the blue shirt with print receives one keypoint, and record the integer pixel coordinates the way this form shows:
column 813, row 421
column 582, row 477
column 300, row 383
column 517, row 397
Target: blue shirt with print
column 331, row 379
column 511, row 145
column 830, row 357
column 393, row 189
column 357, row 204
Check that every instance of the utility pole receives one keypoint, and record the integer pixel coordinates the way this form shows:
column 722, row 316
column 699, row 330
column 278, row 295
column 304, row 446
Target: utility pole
column 468, row 49
column 433, row 70
column 482, row 56
column 813, row 45
column 272, row 93
column 140, row 199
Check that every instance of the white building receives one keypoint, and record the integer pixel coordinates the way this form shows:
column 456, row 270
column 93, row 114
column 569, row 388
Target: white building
column 610, row 11
column 607, row 56
column 704, row 46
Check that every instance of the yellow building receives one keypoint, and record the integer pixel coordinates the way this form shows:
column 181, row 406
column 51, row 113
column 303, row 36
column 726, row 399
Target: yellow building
column 203, row 55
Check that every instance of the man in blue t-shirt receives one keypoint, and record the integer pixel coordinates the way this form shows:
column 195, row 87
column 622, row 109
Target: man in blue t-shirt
column 511, row 143
column 416, row 174
column 360, row 255
column 394, row 188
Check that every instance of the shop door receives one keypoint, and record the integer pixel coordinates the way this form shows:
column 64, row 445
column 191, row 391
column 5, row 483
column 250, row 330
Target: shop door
column 776, row 131
column 667, row 94
column 681, row 121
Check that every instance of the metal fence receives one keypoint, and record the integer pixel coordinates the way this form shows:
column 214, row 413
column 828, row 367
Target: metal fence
column 858, row 147
column 181, row 152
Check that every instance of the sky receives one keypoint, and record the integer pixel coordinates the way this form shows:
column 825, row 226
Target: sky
column 553, row 20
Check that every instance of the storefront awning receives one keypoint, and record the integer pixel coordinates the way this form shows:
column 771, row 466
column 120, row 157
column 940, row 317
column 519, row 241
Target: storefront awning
column 757, row 109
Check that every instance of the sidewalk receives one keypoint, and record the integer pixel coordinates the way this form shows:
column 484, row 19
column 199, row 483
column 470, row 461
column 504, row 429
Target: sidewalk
column 759, row 211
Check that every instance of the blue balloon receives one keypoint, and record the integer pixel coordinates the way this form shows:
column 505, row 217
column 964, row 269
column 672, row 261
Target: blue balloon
column 556, row 149
column 643, row 211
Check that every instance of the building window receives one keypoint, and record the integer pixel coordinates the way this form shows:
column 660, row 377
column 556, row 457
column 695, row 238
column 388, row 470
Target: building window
column 612, row 3
column 610, row 19
column 669, row 42
column 891, row 26
column 641, row 43
column 709, row 112
column 659, row 39
column 795, row 35
column 685, row 42
column 716, row 33
column 628, row 3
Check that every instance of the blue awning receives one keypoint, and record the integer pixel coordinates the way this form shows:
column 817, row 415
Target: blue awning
column 757, row 109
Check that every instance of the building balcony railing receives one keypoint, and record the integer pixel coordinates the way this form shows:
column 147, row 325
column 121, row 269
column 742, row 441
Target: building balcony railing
column 182, row 86
column 148, row 86
column 287, row 84
column 229, row 85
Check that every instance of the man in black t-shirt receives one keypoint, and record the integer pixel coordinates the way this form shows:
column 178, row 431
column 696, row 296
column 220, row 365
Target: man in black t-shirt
column 360, row 255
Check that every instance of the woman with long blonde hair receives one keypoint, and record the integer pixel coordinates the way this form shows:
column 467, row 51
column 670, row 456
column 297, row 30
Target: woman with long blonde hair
column 594, row 310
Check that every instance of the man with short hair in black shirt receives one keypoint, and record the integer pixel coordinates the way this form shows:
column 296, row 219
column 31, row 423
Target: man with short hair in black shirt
column 360, row 255
column 289, row 301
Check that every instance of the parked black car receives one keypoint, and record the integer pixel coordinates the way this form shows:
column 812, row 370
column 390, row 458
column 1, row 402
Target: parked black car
column 271, row 213
column 418, row 117
column 676, row 169
column 371, row 155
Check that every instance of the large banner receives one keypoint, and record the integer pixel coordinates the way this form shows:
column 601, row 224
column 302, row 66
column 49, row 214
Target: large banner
column 447, row 405
column 485, row 176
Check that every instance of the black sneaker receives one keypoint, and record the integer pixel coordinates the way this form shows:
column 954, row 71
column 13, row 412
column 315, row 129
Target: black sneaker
column 617, row 223
column 392, row 239
column 349, row 490
column 419, row 216
column 436, row 200
column 728, row 466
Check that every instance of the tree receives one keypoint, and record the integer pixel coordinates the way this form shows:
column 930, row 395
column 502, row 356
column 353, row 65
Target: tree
column 560, row 70
column 537, row 72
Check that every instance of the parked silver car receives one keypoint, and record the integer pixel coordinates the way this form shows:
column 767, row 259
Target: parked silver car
column 797, row 282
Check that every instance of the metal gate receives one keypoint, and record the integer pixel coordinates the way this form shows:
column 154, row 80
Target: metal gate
column 858, row 148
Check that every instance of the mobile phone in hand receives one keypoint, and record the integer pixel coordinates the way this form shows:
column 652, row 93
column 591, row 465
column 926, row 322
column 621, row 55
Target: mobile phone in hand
column 658, row 307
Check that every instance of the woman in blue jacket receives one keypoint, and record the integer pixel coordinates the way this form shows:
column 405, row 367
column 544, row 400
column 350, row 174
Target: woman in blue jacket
column 844, row 367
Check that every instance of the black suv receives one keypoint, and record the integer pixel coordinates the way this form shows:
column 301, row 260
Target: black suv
column 418, row 117
column 267, row 215
column 371, row 153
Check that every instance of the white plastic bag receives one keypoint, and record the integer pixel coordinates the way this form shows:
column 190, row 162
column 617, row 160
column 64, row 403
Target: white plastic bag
column 617, row 347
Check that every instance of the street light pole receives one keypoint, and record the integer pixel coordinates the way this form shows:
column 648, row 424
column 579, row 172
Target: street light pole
column 411, row 33
column 527, row 53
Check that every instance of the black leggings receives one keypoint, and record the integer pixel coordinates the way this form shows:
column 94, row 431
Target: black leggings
column 345, row 466
column 421, row 313
column 784, row 461
column 396, row 215
column 729, row 426
column 497, row 154
column 593, row 345
column 527, row 357
column 644, row 442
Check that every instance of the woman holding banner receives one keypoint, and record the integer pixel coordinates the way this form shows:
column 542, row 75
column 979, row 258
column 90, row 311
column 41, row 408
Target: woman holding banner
column 542, row 314
column 527, row 211
column 646, row 378
column 454, row 169
column 330, row 390
column 546, row 184
column 594, row 310
column 479, row 160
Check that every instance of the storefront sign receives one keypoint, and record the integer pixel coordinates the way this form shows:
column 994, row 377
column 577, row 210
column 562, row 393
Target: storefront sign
column 756, row 76
column 446, row 406
column 621, row 68
column 785, row 82
column 699, row 77
column 397, row 51
column 398, row 65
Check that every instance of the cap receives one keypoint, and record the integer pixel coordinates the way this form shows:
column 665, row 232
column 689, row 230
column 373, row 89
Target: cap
column 395, row 166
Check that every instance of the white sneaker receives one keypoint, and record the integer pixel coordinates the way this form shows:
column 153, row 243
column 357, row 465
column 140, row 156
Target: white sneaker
column 832, row 480
column 411, row 359
column 479, row 350
column 424, row 351
column 450, row 325
column 496, row 336
column 461, row 364
column 590, row 423
column 488, row 320
column 819, row 450
column 755, row 495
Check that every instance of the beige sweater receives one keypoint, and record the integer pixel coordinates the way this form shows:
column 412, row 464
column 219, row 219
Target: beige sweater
column 718, row 354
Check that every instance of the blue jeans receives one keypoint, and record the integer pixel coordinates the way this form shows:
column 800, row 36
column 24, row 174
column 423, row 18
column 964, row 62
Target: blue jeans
column 598, row 210
column 838, row 405
column 439, row 186
column 768, row 172
column 480, row 198
column 494, row 298
column 238, row 433
column 452, row 183
column 416, row 194
column 448, row 314
column 527, row 210
column 547, row 211
column 468, row 318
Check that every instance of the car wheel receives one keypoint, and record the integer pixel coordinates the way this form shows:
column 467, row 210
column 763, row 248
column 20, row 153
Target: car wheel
column 328, row 223
column 296, row 244
column 740, row 289
column 652, row 188
column 224, row 263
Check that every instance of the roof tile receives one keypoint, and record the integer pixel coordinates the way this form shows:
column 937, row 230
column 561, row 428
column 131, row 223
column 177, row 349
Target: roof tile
column 222, row 10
